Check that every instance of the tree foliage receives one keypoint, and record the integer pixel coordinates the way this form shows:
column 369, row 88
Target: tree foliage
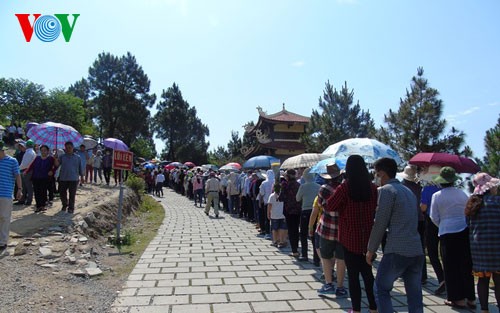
column 338, row 119
column 492, row 147
column 417, row 126
column 144, row 147
column 21, row 100
column 177, row 123
column 119, row 90
column 232, row 153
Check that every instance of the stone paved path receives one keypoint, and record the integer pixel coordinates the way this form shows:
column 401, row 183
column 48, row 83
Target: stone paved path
column 205, row 265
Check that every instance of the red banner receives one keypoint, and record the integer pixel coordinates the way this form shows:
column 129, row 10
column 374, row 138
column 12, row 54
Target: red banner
column 123, row 160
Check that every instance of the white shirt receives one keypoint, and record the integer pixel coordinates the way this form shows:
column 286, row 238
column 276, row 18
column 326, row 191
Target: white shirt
column 160, row 178
column 447, row 210
column 276, row 207
column 28, row 157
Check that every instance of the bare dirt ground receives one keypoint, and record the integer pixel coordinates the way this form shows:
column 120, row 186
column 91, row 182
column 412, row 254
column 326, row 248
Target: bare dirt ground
column 58, row 262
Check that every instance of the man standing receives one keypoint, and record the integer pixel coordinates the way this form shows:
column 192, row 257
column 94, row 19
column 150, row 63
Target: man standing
column 28, row 157
column 9, row 173
column 212, row 187
column 403, row 255
column 71, row 169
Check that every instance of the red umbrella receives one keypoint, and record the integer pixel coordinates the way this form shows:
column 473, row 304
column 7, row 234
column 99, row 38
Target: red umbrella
column 189, row 164
column 234, row 164
column 460, row 164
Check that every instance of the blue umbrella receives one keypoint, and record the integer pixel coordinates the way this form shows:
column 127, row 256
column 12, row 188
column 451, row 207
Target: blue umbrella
column 150, row 166
column 260, row 162
column 320, row 167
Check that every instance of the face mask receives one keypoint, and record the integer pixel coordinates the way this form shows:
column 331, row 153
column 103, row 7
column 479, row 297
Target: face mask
column 378, row 181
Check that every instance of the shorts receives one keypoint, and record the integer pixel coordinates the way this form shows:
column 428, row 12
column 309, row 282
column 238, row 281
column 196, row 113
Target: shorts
column 330, row 249
column 277, row 224
column 317, row 240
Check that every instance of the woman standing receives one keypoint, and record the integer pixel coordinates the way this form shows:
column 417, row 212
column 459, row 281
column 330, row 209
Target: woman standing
column 97, row 165
column 42, row 168
column 483, row 210
column 447, row 212
column 355, row 201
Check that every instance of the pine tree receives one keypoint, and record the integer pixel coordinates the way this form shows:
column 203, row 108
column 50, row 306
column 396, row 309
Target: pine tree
column 417, row 126
column 339, row 119
column 177, row 123
column 492, row 146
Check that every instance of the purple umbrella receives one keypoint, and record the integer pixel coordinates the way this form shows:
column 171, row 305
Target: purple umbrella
column 115, row 144
column 54, row 135
column 30, row 124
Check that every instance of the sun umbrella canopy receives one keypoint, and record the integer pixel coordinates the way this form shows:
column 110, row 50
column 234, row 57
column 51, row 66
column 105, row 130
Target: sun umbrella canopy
column 30, row 124
column 210, row 167
column 370, row 149
column 149, row 166
column 115, row 144
column 320, row 167
column 233, row 167
column 2, row 128
column 176, row 164
column 54, row 135
column 260, row 162
column 189, row 164
column 89, row 142
column 303, row 160
column 460, row 164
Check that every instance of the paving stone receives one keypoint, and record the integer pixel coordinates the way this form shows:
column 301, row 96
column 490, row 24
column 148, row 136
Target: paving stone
column 191, row 308
column 246, row 297
column 135, row 300
column 173, row 299
column 149, row 309
column 283, row 295
column 232, row 308
column 206, row 282
column 191, row 290
column 271, row 306
column 226, row 288
column 173, row 283
column 209, row 298
column 309, row 304
column 260, row 287
column 155, row 291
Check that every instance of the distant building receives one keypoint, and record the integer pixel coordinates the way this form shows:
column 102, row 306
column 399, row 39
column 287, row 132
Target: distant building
column 277, row 134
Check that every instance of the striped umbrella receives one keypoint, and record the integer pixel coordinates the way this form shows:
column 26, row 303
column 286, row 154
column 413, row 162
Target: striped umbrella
column 303, row 160
column 54, row 135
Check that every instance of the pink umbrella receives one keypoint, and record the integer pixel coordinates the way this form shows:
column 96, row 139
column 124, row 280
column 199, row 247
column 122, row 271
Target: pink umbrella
column 460, row 164
column 189, row 164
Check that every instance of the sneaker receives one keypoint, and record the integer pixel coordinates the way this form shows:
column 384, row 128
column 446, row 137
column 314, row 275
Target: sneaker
column 341, row 292
column 268, row 237
column 327, row 289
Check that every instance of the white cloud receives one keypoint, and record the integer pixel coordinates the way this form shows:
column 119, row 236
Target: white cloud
column 469, row 111
column 298, row 64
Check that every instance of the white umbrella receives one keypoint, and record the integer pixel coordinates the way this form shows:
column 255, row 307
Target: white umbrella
column 89, row 142
column 370, row 149
column 303, row 160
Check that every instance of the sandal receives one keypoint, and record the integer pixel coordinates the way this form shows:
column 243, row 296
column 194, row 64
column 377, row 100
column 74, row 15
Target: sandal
column 455, row 305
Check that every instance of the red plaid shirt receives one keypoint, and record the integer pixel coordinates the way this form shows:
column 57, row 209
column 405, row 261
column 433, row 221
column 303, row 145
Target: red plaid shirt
column 328, row 226
column 355, row 218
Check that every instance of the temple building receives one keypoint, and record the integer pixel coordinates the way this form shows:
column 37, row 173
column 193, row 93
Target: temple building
column 276, row 134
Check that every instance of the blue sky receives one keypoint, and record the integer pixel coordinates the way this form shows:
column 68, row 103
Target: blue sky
column 228, row 57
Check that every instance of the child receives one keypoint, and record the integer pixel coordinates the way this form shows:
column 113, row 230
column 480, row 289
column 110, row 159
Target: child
column 275, row 214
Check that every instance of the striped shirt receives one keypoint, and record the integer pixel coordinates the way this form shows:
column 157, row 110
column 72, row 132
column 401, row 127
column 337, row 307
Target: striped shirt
column 396, row 212
column 9, row 169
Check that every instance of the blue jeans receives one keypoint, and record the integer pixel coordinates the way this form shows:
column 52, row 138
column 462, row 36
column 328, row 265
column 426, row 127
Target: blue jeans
column 392, row 266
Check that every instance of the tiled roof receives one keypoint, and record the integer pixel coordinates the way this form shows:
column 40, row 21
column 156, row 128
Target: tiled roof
column 286, row 116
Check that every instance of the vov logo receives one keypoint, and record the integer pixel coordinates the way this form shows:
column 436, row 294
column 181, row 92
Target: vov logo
column 47, row 27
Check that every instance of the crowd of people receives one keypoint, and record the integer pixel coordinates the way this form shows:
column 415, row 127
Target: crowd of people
column 350, row 215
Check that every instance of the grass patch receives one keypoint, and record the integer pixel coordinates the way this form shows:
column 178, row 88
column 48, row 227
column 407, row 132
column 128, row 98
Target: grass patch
column 150, row 216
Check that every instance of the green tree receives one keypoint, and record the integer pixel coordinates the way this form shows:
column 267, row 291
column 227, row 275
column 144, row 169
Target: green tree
column 492, row 146
column 81, row 89
column 21, row 100
column 120, row 93
column 219, row 156
column 65, row 108
column 417, row 126
column 177, row 123
column 338, row 119
column 144, row 147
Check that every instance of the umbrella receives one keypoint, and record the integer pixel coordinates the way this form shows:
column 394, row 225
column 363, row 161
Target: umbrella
column 260, row 162
column 460, row 164
column 230, row 167
column 30, row 124
column 54, row 135
column 320, row 167
column 149, row 166
column 370, row 149
column 176, row 164
column 210, row 167
column 89, row 142
column 115, row 144
column 2, row 128
column 303, row 160
column 189, row 164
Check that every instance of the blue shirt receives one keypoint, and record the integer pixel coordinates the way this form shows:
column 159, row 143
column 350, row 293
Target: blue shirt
column 83, row 158
column 426, row 196
column 71, row 167
column 9, row 169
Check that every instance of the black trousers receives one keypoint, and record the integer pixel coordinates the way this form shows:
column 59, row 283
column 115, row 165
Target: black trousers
column 457, row 263
column 64, row 188
column 263, row 220
column 40, row 187
column 293, row 222
column 356, row 264
column 107, row 174
column 432, row 243
column 421, row 232
column 304, row 235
